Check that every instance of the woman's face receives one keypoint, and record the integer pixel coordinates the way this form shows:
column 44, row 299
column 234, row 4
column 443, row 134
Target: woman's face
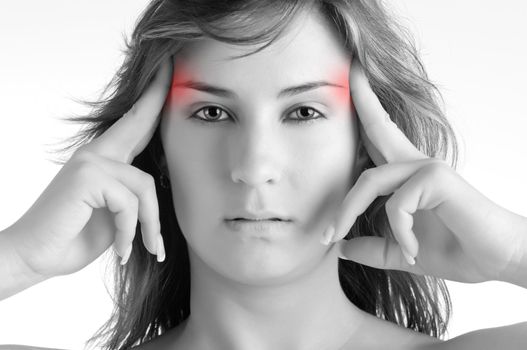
column 249, row 149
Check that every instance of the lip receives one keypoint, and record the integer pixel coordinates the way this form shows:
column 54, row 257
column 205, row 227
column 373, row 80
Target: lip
column 260, row 215
column 262, row 226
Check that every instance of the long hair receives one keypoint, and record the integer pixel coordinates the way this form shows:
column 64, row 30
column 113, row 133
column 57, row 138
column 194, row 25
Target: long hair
column 151, row 298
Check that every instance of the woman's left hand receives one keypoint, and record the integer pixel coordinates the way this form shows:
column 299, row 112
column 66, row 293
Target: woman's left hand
column 450, row 228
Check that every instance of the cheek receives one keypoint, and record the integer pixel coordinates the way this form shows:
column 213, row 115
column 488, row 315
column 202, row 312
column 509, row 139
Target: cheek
column 330, row 167
column 193, row 170
column 323, row 170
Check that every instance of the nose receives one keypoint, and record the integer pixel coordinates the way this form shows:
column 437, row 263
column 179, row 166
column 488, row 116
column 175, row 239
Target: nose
column 256, row 161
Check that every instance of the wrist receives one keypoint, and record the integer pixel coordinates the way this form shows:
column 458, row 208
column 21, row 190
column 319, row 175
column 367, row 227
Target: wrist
column 15, row 274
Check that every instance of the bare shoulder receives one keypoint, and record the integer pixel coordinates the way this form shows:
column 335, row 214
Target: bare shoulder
column 509, row 337
column 24, row 347
column 168, row 340
column 376, row 333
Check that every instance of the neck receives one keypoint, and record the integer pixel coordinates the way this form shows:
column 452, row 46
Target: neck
column 308, row 311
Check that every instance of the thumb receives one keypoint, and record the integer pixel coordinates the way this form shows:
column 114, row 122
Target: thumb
column 377, row 252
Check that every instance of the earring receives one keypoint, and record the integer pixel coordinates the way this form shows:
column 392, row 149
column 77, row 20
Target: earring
column 164, row 181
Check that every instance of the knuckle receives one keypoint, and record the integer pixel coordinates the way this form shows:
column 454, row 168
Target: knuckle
column 439, row 161
column 87, row 171
column 86, row 154
column 132, row 201
column 85, row 164
column 83, row 153
column 436, row 169
column 147, row 183
column 391, row 206
column 367, row 176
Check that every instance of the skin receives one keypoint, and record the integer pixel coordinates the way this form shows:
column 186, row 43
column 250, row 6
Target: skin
column 268, row 284
column 252, row 290
column 258, row 157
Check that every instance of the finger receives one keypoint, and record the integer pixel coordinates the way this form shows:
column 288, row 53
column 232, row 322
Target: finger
column 377, row 252
column 375, row 155
column 124, row 204
column 108, row 192
column 400, row 209
column 372, row 183
column 425, row 190
column 384, row 135
column 130, row 134
column 142, row 185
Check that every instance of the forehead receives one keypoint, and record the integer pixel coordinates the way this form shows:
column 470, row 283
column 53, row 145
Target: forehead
column 308, row 48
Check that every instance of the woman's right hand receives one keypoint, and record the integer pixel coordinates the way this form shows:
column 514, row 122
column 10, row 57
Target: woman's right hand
column 97, row 197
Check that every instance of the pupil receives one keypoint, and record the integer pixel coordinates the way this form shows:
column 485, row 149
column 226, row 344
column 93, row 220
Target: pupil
column 306, row 110
column 215, row 109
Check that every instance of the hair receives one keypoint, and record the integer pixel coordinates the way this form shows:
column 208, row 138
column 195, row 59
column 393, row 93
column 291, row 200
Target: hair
column 151, row 298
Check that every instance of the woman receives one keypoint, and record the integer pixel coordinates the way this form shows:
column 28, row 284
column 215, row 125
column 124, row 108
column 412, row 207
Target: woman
column 298, row 154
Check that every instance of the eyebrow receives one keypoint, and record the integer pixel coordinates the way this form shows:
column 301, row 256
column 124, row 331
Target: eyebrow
column 223, row 92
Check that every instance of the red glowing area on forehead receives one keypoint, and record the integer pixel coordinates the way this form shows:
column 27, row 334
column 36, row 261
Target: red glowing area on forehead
column 180, row 94
column 341, row 77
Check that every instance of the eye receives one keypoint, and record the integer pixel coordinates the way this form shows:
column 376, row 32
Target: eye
column 306, row 114
column 211, row 114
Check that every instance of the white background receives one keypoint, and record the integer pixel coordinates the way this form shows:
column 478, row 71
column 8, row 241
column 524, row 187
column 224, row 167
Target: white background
column 53, row 51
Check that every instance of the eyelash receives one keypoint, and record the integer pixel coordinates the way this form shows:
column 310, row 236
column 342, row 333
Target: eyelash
column 296, row 121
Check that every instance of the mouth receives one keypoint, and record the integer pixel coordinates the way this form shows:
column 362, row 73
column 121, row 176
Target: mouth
column 273, row 219
column 262, row 227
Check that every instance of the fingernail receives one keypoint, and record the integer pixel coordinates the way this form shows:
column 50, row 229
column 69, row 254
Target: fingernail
column 328, row 235
column 126, row 255
column 408, row 257
column 160, row 249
